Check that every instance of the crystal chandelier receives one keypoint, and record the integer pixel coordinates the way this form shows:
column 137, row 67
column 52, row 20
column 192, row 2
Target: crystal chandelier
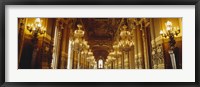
column 125, row 42
column 85, row 50
column 116, row 53
column 78, row 43
column 90, row 58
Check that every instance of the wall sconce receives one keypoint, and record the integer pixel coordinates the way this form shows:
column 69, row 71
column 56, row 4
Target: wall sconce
column 36, row 28
column 171, row 32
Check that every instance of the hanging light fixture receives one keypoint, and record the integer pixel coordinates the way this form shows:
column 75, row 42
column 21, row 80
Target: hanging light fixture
column 78, row 39
column 125, row 42
column 79, row 43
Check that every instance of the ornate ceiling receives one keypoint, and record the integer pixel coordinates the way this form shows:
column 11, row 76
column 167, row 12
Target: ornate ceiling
column 100, row 33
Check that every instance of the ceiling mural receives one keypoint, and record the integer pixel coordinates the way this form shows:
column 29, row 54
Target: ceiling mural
column 100, row 33
column 101, row 28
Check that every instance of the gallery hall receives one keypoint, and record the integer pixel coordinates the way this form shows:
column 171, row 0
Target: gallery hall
column 99, row 43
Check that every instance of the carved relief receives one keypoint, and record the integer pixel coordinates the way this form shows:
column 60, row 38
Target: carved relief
column 158, row 57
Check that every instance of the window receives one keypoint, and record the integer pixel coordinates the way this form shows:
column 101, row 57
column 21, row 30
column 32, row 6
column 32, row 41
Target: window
column 100, row 63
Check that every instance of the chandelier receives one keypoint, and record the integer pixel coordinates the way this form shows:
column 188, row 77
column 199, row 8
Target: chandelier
column 79, row 33
column 116, row 53
column 90, row 53
column 125, row 42
column 85, row 50
column 111, row 58
column 78, row 43
column 90, row 58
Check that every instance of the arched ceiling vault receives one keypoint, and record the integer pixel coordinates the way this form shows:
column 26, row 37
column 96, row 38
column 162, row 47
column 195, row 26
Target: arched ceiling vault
column 100, row 34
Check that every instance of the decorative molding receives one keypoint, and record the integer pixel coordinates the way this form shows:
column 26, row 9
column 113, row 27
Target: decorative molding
column 158, row 57
column 159, row 40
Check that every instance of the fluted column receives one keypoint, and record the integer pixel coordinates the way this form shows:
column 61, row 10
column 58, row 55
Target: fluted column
column 74, row 59
column 135, row 32
column 70, row 60
column 56, row 48
column 132, row 58
column 80, row 61
column 126, row 60
column 153, row 43
column 122, row 60
column 140, row 48
column 70, row 48
column 145, row 48
column 84, row 62
column 64, row 49
column 117, row 63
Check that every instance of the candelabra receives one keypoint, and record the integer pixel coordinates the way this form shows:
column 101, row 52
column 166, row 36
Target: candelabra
column 35, row 28
column 170, row 33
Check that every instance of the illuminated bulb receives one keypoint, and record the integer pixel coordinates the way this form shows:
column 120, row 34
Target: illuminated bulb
column 175, row 28
column 169, row 23
column 39, row 25
column 29, row 25
column 34, row 28
column 37, row 20
column 168, row 28
column 44, row 28
column 178, row 28
column 161, row 32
